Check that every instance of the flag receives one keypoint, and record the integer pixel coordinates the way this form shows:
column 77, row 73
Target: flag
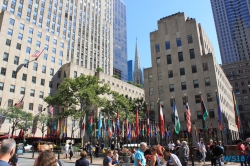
column 90, row 125
column 127, row 126
column 118, row 124
column 148, row 126
column 155, row 130
column 236, row 111
column 195, row 130
column 114, row 126
column 150, row 131
column 64, row 128
column 161, row 123
column 37, row 54
column 211, row 129
column 83, row 126
column 203, row 110
column 129, row 132
column 51, row 110
column 188, row 116
column 133, row 131
column 219, row 112
column 143, row 130
column 110, row 129
column 166, row 133
column 177, row 125
column 99, row 127
column 137, row 124
column 19, row 103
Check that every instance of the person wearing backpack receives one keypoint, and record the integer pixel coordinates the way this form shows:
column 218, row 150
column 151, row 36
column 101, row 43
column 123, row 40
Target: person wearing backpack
column 217, row 152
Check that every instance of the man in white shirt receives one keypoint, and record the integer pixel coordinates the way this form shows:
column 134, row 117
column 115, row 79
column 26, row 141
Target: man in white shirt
column 67, row 150
column 174, row 159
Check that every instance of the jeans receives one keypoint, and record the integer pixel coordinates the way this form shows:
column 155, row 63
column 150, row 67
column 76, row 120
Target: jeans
column 219, row 160
column 203, row 156
column 241, row 162
column 198, row 154
column 184, row 163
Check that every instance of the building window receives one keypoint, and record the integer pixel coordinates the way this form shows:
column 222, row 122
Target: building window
column 32, row 92
column 22, row 92
column 55, row 41
column 150, row 78
column 5, row 56
column 240, row 107
column 47, row 38
column 51, row 71
column 157, row 48
column 3, row 71
column 237, row 91
column 43, row 69
column 170, row 73
column 24, row 77
column 53, row 59
column 196, row 84
column 53, row 50
column 18, row 46
column 61, row 45
column 167, row 44
column 38, row 43
column 20, row 36
column 75, row 74
column 194, row 70
column 21, row 26
column 199, row 114
column 244, row 91
column 236, row 84
column 64, row 74
column 8, row 42
column 31, row 106
column 158, row 61
column 41, row 95
column 59, row 74
column 169, row 59
column 207, row 81
column 191, row 52
column 13, row 74
column 178, row 42
column 61, row 53
column 182, row 71
column 60, row 62
column 151, row 91
column 10, row 103
column 183, row 86
column 209, row 97
column 39, row 34
column 205, row 66
column 29, row 40
column 180, row 56
column 40, row 107
column 31, row 30
column 33, row 79
column 1, row 85
column 211, row 113
column 242, row 83
column 10, row 32
column 160, row 89
column 197, row 98
column 42, row 82
column 45, row 56
column 190, row 39
column 35, row 66
column 152, row 105
column 12, row 21
column 28, row 50
column 12, row 88
column 26, row 63
column 159, row 76
column 171, row 87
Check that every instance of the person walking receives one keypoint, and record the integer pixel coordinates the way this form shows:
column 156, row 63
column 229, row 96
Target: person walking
column 139, row 155
column 82, row 161
column 70, row 151
column 240, row 147
column 115, row 157
column 107, row 161
column 7, row 150
column 66, row 150
column 97, row 147
column 155, row 159
column 198, row 153
column 184, row 153
column 217, row 152
column 203, row 151
column 47, row 158
column 177, row 147
column 174, row 160
column 171, row 146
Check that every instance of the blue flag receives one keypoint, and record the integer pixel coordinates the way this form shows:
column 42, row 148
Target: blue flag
column 99, row 127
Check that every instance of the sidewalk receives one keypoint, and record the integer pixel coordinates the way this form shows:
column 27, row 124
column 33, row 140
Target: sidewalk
column 98, row 161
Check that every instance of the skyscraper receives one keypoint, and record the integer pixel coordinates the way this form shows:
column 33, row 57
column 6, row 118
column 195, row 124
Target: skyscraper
column 120, row 40
column 232, row 19
column 130, row 70
column 137, row 68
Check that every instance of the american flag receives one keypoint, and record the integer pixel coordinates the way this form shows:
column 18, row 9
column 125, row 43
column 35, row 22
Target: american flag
column 37, row 54
column 19, row 103
column 188, row 116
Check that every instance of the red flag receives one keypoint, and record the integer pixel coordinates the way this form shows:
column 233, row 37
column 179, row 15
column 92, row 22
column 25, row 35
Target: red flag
column 37, row 54
column 83, row 126
column 127, row 132
column 148, row 126
column 188, row 116
column 137, row 124
column 51, row 110
column 19, row 103
column 161, row 124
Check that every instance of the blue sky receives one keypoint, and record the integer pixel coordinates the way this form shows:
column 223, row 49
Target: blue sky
column 142, row 17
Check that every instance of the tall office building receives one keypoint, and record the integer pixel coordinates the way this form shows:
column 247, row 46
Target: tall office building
column 232, row 19
column 130, row 70
column 120, row 40
column 76, row 31
column 137, row 67
column 184, row 68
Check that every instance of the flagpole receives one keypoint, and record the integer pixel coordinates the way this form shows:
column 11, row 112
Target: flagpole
column 203, row 121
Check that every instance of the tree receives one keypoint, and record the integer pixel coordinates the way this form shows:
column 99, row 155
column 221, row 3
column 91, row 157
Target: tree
column 42, row 122
column 99, row 69
column 76, row 117
column 19, row 118
column 79, row 94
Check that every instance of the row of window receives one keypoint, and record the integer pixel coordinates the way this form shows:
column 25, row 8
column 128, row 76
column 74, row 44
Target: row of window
column 178, row 43
column 26, row 62
column 183, row 86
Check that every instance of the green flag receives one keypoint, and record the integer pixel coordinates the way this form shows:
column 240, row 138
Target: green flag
column 204, row 110
column 177, row 124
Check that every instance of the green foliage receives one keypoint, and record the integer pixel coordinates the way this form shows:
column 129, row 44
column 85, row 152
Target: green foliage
column 79, row 94
column 130, row 82
column 115, row 76
column 42, row 122
column 139, row 85
column 19, row 118
column 99, row 69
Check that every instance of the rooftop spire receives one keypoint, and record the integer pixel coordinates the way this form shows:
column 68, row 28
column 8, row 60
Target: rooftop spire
column 137, row 67
column 137, row 58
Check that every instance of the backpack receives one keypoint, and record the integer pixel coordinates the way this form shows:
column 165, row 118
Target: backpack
column 219, row 150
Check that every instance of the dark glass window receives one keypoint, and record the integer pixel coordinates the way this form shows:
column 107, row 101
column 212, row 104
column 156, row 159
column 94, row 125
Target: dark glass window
column 169, row 59
column 194, row 69
column 180, row 56
column 211, row 113
column 198, row 98
column 205, row 66
column 171, row 87
column 191, row 52
column 158, row 61
column 157, row 48
column 178, row 42
column 199, row 114
column 196, row 84
column 183, row 86
column 182, row 71
column 170, row 73
column 190, row 39
column 209, row 97
column 167, row 44
column 207, row 81
column 24, row 77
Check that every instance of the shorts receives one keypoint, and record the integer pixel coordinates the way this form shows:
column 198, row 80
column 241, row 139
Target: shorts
column 67, row 151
